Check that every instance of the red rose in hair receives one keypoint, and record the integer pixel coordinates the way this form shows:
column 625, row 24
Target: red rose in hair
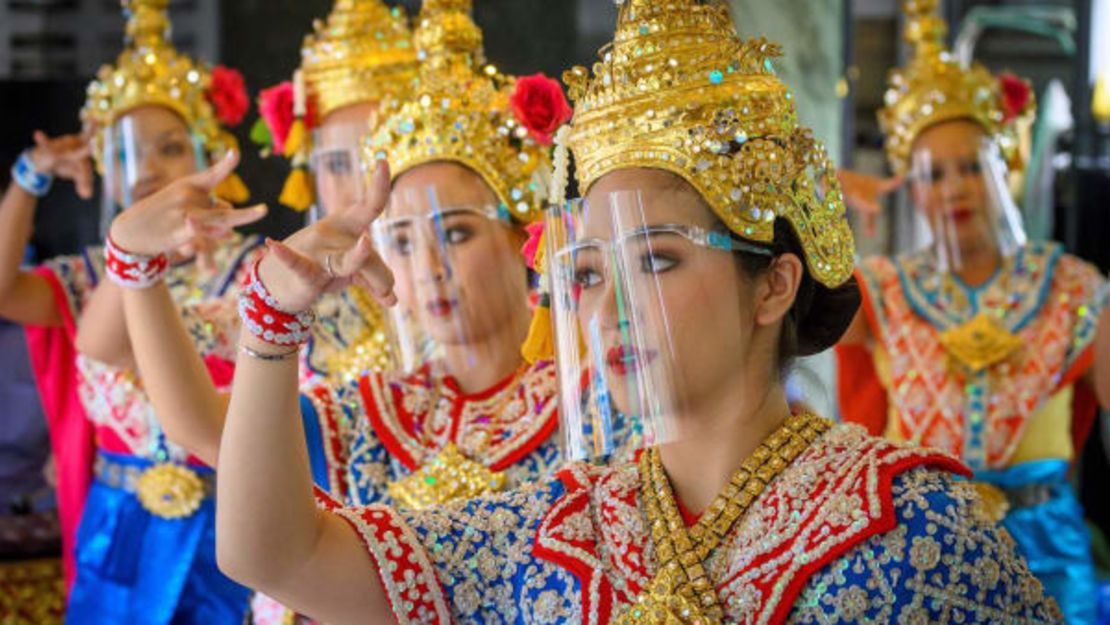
column 228, row 94
column 539, row 104
column 1016, row 95
column 275, row 105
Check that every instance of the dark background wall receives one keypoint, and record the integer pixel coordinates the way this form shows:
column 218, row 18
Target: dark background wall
column 63, row 222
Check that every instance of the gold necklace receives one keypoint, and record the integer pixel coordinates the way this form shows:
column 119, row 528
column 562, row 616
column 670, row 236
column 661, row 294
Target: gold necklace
column 681, row 591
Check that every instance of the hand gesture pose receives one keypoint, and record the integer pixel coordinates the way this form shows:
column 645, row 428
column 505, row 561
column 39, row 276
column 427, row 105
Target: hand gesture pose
column 65, row 157
column 331, row 254
column 183, row 216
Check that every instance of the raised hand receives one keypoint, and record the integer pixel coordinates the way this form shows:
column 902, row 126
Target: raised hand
column 331, row 254
column 65, row 157
column 184, row 214
column 864, row 193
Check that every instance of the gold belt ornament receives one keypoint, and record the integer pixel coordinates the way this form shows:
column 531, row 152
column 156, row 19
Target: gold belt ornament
column 167, row 490
column 170, row 491
column 681, row 592
column 980, row 343
column 451, row 476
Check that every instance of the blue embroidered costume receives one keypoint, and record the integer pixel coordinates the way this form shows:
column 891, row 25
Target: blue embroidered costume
column 856, row 529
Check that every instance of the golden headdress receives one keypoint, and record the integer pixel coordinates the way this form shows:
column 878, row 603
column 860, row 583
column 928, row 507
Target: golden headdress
column 363, row 52
column 679, row 90
column 935, row 87
column 460, row 112
column 150, row 71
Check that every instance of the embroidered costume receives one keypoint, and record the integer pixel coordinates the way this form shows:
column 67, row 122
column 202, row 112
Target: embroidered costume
column 1017, row 423
column 855, row 529
column 131, row 543
column 417, row 433
column 145, row 547
column 991, row 374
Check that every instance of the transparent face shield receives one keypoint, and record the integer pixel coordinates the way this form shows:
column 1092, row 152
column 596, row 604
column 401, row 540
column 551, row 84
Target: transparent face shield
column 647, row 312
column 963, row 206
column 339, row 171
column 460, row 281
column 143, row 152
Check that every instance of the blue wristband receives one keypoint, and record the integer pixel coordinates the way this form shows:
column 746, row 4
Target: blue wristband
column 31, row 180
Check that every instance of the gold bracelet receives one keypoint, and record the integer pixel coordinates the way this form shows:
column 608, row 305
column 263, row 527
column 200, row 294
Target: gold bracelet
column 257, row 355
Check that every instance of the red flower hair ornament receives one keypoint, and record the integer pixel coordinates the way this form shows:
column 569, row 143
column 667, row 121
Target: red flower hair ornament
column 540, row 106
column 1017, row 96
column 228, row 95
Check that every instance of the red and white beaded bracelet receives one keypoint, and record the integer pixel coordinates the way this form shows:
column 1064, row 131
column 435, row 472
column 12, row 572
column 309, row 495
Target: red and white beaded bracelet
column 133, row 271
column 265, row 320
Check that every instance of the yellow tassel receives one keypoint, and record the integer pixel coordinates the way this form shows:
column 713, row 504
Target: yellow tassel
column 232, row 189
column 540, row 344
column 297, row 192
column 1100, row 99
column 294, row 142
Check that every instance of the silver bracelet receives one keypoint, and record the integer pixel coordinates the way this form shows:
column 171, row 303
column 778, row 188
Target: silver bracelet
column 257, row 355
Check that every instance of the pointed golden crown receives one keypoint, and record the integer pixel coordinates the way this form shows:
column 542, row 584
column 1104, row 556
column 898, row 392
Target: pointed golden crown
column 934, row 87
column 459, row 112
column 362, row 53
column 679, row 90
column 150, row 71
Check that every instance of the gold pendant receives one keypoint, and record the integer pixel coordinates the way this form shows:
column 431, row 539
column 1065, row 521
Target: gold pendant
column 451, row 476
column 170, row 491
column 980, row 343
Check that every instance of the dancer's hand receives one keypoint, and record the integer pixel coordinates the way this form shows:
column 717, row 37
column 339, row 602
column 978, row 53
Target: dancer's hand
column 65, row 157
column 865, row 194
column 331, row 254
column 184, row 215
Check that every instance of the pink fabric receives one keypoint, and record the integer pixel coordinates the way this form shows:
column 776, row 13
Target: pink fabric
column 53, row 355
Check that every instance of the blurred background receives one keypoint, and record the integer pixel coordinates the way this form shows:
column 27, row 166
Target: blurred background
column 838, row 53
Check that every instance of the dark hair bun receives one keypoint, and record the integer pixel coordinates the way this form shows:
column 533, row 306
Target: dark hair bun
column 820, row 315
column 828, row 316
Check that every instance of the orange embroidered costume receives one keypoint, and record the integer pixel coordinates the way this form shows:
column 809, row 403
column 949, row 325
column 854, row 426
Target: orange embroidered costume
column 990, row 374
